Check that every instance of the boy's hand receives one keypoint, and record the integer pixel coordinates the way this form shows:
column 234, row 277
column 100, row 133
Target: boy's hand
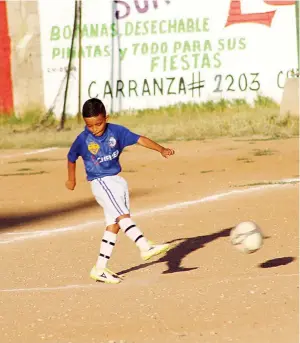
column 167, row 152
column 148, row 143
column 70, row 184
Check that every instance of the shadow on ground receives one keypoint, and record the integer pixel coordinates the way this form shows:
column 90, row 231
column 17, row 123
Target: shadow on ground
column 15, row 220
column 277, row 262
column 10, row 221
column 174, row 257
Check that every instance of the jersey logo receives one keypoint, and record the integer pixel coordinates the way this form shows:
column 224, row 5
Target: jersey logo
column 112, row 142
column 108, row 157
column 94, row 148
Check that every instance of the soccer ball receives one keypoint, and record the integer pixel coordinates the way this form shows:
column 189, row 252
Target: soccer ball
column 246, row 237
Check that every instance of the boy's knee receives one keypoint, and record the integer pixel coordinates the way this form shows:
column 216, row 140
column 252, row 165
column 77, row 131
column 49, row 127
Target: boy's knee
column 122, row 217
column 113, row 228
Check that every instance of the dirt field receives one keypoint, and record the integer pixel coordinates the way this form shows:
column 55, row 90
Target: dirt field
column 202, row 291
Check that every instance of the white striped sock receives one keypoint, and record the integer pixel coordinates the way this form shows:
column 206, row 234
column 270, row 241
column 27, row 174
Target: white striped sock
column 106, row 248
column 134, row 233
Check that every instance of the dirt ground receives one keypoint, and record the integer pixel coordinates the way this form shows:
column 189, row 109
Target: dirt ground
column 202, row 291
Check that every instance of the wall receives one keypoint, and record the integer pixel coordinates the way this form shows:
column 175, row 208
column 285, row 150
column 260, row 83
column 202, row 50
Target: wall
column 195, row 52
column 6, row 92
column 140, row 54
column 26, row 69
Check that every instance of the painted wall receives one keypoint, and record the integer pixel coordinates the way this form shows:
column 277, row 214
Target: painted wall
column 144, row 54
column 26, row 69
column 6, row 92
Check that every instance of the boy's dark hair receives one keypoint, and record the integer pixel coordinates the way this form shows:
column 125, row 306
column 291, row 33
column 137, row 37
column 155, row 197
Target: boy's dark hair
column 92, row 108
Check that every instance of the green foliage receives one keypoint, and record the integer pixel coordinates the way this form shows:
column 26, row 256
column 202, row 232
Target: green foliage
column 179, row 122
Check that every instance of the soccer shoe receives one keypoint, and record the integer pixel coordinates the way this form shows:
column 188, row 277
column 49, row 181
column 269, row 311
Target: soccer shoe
column 155, row 250
column 104, row 275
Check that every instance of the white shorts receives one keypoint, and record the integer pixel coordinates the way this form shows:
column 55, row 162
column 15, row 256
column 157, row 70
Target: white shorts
column 111, row 193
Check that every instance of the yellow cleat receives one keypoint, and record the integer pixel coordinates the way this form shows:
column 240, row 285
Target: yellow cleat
column 104, row 275
column 155, row 250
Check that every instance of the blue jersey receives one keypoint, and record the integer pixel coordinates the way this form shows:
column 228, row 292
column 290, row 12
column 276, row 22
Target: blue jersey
column 101, row 154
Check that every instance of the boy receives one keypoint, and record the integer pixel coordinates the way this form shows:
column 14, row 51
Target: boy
column 100, row 146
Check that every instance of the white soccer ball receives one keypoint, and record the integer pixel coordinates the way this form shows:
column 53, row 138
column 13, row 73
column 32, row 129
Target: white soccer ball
column 246, row 237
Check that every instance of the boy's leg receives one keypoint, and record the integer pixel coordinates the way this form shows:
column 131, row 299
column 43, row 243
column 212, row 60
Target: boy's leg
column 131, row 230
column 100, row 272
column 112, row 194
column 107, row 245
column 128, row 226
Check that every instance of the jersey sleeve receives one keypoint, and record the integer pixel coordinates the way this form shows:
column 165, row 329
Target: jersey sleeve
column 75, row 150
column 127, row 137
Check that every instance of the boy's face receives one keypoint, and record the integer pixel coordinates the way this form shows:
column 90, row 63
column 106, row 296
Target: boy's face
column 97, row 124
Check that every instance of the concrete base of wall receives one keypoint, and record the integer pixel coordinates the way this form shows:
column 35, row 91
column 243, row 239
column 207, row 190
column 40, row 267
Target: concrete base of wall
column 27, row 77
column 290, row 98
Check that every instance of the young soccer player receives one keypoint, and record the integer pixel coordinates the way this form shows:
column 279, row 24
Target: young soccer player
column 100, row 146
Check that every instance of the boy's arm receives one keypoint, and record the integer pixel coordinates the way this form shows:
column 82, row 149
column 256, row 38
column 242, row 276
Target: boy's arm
column 72, row 157
column 148, row 143
column 71, row 182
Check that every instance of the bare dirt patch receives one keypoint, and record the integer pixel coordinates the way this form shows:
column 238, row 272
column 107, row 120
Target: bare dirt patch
column 201, row 291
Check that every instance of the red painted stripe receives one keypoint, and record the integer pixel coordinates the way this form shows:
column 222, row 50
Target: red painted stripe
column 237, row 17
column 280, row 2
column 6, row 91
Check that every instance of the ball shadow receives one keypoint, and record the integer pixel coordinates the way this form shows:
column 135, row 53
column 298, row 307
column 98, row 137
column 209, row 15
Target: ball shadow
column 276, row 262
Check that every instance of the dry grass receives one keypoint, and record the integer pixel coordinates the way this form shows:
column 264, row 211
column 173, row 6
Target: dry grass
column 245, row 159
column 174, row 123
column 264, row 152
column 24, row 174
column 266, row 183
